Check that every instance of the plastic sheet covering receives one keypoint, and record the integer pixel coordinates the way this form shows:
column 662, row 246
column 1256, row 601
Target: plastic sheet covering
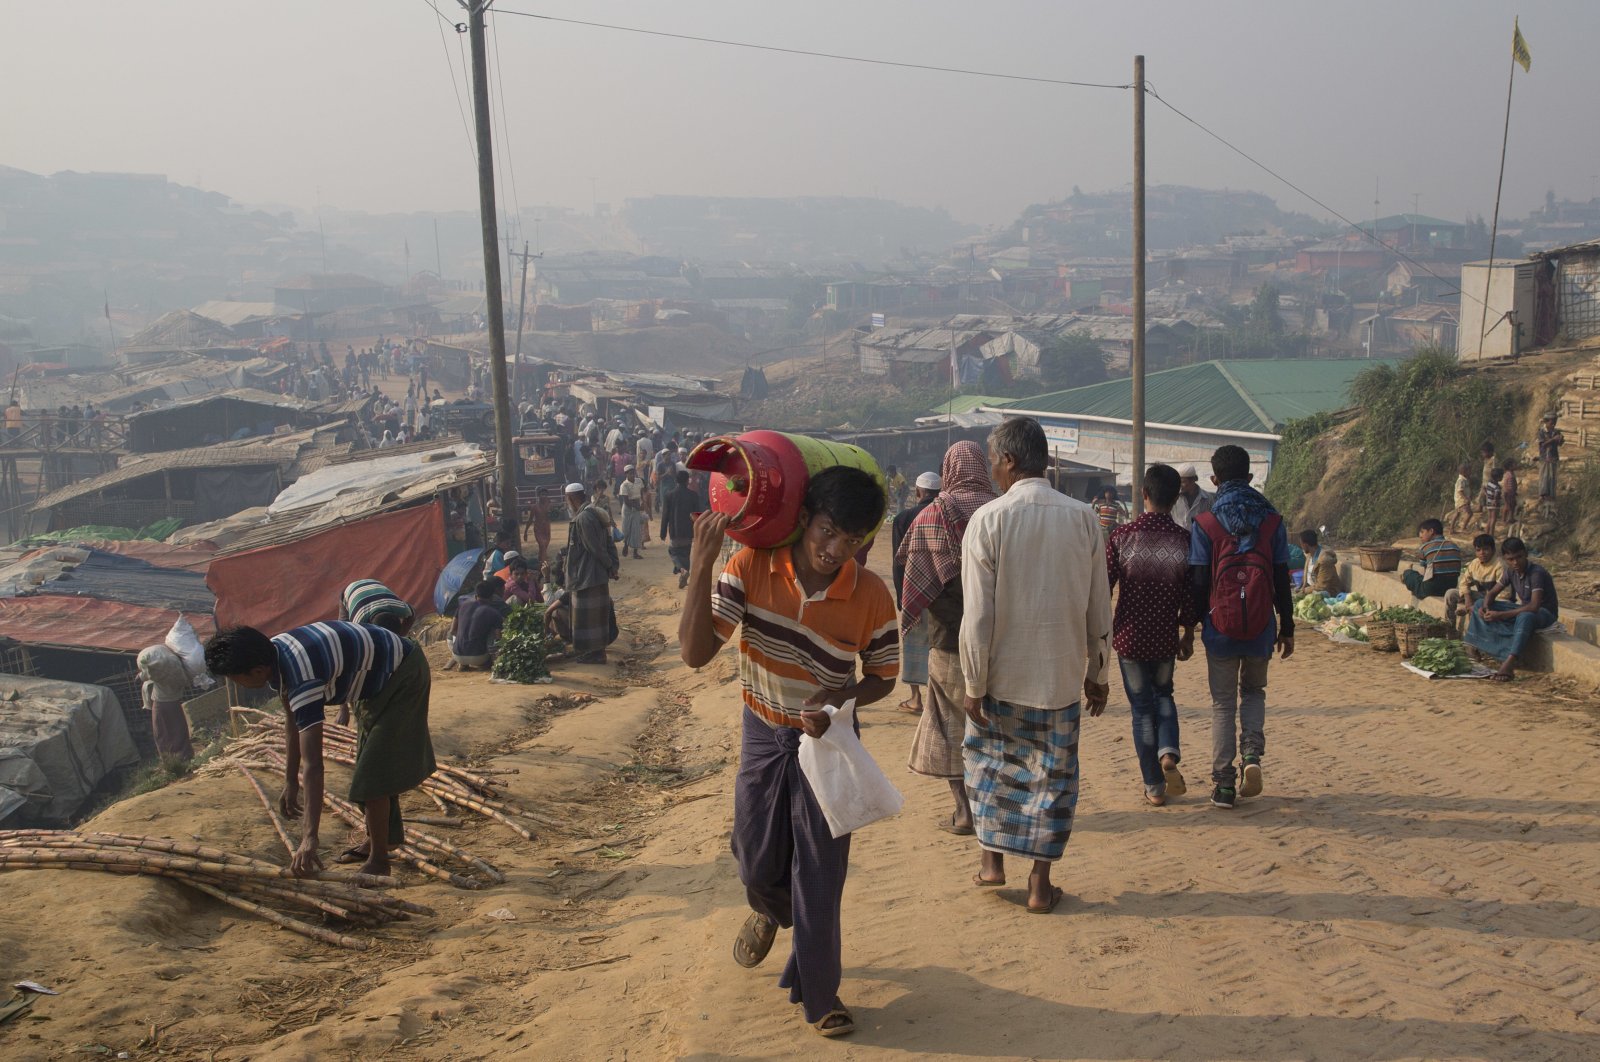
column 378, row 474
column 195, row 557
column 89, row 623
column 278, row 587
column 111, row 577
column 57, row 741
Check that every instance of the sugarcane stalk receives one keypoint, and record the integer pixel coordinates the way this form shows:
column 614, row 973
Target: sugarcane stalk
column 479, row 806
column 294, row 925
column 272, row 812
column 156, row 864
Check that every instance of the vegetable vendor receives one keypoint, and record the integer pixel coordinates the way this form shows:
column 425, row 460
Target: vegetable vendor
column 1322, row 565
column 1441, row 563
column 1502, row 628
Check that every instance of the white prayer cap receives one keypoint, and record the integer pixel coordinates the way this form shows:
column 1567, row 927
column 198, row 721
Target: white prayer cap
column 1188, row 472
column 929, row 481
column 576, row 488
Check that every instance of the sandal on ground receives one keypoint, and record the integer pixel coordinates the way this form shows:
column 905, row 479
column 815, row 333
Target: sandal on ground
column 959, row 831
column 844, row 1028
column 984, row 883
column 1055, row 898
column 356, row 853
column 754, row 940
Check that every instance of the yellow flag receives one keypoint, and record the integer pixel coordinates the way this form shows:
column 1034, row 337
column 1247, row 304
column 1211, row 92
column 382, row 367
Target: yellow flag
column 1519, row 47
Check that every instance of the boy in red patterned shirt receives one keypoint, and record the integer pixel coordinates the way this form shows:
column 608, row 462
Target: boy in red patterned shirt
column 1149, row 559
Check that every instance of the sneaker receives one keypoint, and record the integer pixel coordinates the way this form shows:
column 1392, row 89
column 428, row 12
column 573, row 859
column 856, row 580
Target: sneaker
column 1222, row 797
column 1250, row 782
column 1176, row 786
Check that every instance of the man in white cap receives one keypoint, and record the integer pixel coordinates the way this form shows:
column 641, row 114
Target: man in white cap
column 631, row 491
column 592, row 563
column 1192, row 501
column 914, row 641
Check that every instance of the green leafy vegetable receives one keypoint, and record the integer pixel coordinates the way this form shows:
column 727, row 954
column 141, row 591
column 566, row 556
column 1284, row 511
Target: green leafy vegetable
column 1441, row 656
column 521, row 656
column 1403, row 614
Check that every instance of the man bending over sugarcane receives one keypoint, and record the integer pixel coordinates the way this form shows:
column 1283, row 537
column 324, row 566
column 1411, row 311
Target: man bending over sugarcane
column 385, row 676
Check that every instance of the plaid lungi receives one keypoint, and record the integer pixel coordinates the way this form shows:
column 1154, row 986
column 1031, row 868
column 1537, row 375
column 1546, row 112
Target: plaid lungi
column 914, row 654
column 1022, row 778
column 792, row 866
column 936, row 749
column 594, row 621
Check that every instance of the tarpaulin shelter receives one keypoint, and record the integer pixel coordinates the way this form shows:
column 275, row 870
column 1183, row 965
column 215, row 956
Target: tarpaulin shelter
column 54, row 620
column 110, row 577
column 57, row 741
column 276, row 587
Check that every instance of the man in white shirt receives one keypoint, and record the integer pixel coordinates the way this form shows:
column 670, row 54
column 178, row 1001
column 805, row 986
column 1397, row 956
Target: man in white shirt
column 1035, row 638
column 1192, row 501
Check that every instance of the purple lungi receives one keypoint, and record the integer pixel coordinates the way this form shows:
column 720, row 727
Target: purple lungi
column 792, row 867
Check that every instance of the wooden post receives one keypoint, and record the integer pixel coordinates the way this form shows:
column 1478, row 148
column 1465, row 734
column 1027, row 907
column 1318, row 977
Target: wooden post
column 1136, row 474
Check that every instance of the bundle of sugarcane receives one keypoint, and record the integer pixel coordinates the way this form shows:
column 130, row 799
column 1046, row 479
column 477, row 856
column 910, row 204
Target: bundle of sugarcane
column 424, row 851
column 239, row 880
column 477, row 789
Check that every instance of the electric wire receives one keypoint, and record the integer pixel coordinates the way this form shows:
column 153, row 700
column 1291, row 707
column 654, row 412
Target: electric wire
column 505, row 126
column 815, row 55
column 455, row 86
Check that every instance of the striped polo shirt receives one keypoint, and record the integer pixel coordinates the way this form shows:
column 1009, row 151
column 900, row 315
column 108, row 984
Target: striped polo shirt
column 333, row 663
column 790, row 645
column 1441, row 557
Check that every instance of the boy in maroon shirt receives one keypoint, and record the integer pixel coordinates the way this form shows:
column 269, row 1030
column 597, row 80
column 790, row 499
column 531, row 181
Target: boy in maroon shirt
column 1149, row 559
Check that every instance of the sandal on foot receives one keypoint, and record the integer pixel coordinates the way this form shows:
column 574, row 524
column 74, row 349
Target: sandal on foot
column 844, row 1028
column 1176, row 786
column 1155, row 801
column 908, row 708
column 959, row 831
column 354, row 854
column 754, row 940
column 984, row 883
column 1055, row 898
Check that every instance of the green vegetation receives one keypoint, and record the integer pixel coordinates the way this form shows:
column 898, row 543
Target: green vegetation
column 1299, row 463
column 1256, row 331
column 1417, row 422
column 521, row 656
column 1440, row 656
column 1071, row 360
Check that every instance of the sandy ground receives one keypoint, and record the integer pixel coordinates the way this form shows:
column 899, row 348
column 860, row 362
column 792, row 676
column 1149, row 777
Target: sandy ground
column 1421, row 879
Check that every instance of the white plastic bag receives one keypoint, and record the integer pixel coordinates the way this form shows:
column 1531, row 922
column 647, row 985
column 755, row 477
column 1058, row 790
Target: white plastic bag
column 182, row 639
column 850, row 787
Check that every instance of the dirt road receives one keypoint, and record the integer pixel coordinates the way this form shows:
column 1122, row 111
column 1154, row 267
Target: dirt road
column 1420, row 879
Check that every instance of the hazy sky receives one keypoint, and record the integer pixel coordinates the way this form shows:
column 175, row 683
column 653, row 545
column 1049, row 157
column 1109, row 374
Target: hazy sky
column 349, row 102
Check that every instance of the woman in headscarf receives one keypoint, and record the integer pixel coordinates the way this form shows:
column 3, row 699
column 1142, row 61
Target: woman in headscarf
column 387, row 440
column 931, row 554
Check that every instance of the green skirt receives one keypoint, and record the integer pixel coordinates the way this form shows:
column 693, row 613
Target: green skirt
column 393, row 750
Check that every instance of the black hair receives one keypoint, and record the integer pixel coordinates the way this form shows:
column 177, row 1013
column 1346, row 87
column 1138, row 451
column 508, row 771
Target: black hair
column 1023, row 439
column 1513, row 545
column 1308, row 537
column 683, row 477
column 518, row 562
column 1433, row 524
column 1483, row 542
column 849, row 497
column 236, row 650
column 1487, row 449
column 1161, row 485
column 1497, row 473
column 1230, row 462
column 490, row 587
column 503, row 535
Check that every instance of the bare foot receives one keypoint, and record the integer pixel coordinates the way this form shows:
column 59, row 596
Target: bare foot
column 375, row 868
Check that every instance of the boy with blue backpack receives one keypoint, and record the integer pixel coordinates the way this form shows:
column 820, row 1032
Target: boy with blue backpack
column 1239, row 564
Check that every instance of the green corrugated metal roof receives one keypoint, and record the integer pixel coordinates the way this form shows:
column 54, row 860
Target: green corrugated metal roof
column 1255, row 395
column 964, row 404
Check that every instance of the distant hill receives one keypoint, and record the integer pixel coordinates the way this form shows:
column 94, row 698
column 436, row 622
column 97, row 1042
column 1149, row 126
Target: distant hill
column 1094, row 224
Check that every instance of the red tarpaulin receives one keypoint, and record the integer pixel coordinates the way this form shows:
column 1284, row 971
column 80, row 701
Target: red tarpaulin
column 89, row 623
column 275, row 588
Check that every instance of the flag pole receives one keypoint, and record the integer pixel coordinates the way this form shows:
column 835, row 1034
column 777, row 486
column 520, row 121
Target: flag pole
column 1494, row 226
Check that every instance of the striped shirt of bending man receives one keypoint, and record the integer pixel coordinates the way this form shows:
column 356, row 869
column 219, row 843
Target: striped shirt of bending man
column 790, row 644
column 333, row 663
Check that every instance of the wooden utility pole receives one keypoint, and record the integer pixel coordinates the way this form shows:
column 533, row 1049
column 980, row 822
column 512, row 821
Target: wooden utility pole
column 1137, row 473
column 506, row 460
column 522, row 308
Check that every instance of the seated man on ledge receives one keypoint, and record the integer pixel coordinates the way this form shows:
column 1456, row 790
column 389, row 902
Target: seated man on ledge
column 1441, row 563
column 1502, row 628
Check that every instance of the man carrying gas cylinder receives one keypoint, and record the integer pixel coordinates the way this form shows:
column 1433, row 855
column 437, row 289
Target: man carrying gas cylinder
column 806, row 612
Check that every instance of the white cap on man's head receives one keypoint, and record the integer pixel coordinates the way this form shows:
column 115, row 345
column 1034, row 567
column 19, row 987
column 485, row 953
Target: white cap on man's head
column 576, row 488
column 1188, row 472
column 929, row 481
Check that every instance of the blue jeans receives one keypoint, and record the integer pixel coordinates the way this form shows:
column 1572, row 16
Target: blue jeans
column 1148, row 684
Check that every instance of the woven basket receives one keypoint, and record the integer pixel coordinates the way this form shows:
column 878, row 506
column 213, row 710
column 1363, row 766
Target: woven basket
column 1380, row 558
column 1380, row 635
column 1410, row 635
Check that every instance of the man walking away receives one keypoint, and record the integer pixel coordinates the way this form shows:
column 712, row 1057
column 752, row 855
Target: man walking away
column 1441, row 563
column 592, row 563
column 931, row 592
column 678, row 507
column 913, row 636
column 1239, row 563
column 1150, row 559
column 631, row 493
column 1035, row 639
column 806, row 612
column 1192, row 501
